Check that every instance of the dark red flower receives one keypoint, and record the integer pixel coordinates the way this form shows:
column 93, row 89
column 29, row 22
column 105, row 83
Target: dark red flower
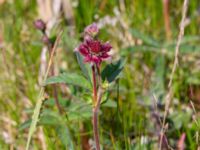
column 94, row 46
column 94, row 51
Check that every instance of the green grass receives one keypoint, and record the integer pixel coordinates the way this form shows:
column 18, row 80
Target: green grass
column 146, row 72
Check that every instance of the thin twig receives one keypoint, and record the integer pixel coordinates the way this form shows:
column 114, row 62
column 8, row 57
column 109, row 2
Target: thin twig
column 169, row 94
column 52, row 54
column 180, row 36
column 54, row 86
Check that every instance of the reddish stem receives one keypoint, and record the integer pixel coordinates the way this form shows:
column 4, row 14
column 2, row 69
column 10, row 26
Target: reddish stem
column 95, row 128
column 96, row 104
column 94, row 85
column 99, row 73
column 55, row 93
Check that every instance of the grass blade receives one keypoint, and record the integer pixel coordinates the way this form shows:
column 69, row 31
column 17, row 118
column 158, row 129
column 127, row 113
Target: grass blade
column 41, row 96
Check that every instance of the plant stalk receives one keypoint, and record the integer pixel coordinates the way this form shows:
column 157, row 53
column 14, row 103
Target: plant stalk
column 96, row 104
column 95, row 128
column 94, row 85
column 55, row 92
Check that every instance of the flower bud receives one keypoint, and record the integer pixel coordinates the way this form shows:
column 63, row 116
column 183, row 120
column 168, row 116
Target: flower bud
column 92, row 30
column 40, row 25
column 46, row 40
column 105, row 84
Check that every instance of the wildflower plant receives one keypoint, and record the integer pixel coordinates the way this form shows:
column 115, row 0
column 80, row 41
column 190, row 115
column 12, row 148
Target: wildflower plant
column 91, row 51
column 94, row 52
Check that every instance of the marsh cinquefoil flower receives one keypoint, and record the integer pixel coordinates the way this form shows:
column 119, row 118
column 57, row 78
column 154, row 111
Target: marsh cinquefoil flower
column 93, row 50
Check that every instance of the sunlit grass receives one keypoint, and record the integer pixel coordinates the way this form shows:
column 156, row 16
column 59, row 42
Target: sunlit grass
column 146, row 73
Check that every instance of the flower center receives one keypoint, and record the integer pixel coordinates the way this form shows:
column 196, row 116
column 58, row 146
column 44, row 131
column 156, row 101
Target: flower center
column 94, row 47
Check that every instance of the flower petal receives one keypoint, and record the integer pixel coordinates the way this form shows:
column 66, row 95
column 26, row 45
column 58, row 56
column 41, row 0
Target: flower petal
column 92, row 59
column 87, row 59
column 94, row 45
column 104, row 56
column 83, row 50
column 96, row 59
column 106, row 47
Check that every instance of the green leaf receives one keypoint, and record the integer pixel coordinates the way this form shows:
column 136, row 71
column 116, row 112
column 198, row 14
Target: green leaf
column 49, row 117
column 158, row 83
column 82, row 115
column 25, row 125
column 65, row 137
column 69, row 78
column 138, row 48
column 109, row 103
column 79, row 111
column 62, row 101
column 48, row 120
column 82, row 66
column 180, row 118
column 185, row 40
column 111, row 71
column 145, row 38
column 193, row 80
column 184, row 48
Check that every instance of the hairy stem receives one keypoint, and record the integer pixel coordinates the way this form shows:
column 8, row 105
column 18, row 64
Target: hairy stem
column 96, row 102
column 99, row 74
column 95, row 119
column 95, row 128
column 94, row 85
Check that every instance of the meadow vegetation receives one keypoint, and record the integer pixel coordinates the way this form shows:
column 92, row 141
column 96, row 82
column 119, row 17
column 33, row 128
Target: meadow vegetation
column 143, row 35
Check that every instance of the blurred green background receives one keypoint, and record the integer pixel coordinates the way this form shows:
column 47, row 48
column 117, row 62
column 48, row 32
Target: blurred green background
column 141, row 33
